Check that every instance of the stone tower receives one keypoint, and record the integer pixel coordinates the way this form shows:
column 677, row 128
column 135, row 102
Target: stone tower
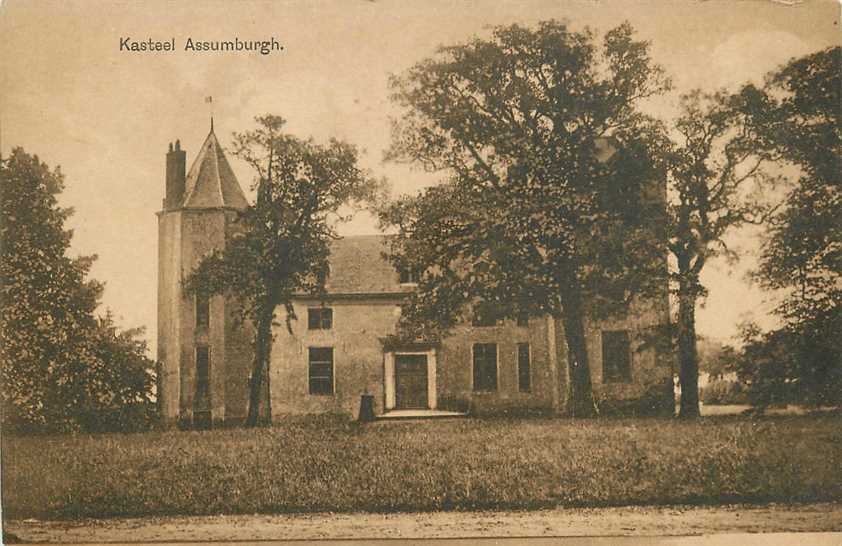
column 203, row 356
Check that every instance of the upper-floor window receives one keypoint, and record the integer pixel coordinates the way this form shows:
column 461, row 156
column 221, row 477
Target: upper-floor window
column 484, row 315
column 485, row 366
column 409, row 275
column 319, row 318
column 616, row 357
column 202, row 309
column 322, row 274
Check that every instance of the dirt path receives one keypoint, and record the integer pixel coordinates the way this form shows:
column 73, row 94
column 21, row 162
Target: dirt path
column 634, row 521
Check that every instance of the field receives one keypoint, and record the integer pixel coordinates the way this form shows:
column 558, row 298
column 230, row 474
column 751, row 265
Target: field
column 320, row 464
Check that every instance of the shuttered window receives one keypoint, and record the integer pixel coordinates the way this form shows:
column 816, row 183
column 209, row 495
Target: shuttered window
column 321, row 370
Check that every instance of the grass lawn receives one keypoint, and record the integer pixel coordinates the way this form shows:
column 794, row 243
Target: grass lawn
column 319, row 464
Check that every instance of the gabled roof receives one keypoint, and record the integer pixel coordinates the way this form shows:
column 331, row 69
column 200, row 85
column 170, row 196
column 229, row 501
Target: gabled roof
column 357, row 266
column 211, row 182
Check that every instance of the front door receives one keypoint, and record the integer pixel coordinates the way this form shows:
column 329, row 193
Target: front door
column 411, row 382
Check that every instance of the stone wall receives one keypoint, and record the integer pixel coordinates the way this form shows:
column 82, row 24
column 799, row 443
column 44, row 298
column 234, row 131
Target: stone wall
column 169, row 300
column 361, row 365
column 358, row 327
column 185, row 237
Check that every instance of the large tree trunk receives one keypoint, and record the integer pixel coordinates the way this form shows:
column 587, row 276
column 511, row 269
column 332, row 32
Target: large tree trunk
column 580, row 392
column 260, row 367
column 688, row 363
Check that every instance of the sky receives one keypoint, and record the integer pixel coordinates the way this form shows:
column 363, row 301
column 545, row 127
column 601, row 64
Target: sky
column 106, row 116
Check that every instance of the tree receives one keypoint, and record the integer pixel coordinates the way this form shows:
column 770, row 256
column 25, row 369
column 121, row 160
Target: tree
column 797, row 115
column 717, row 183
column 715, row 358
column 549, row 173
column 304, row 190
column 62, row 367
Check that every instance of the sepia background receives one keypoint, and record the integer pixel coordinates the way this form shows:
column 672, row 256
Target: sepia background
column 70, row 95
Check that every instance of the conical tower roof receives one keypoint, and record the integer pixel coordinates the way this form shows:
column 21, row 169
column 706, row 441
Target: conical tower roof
column 211, row 182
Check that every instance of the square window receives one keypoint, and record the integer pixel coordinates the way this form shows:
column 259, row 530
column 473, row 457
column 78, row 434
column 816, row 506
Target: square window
column 485, row 366
column 409, row 275
column 523, row 364
column 484, row 315
column 319, row 318
column 616, row 357
column 321, row 370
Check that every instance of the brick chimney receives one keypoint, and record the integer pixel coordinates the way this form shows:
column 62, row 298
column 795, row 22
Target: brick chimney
column 176, row 175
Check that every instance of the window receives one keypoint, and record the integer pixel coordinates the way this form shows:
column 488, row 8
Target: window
column 202, row 309
column 320, row 318
column 321, row 370
column 485, row 366
column 322, row 275
column 409, row 275
column 202, row 397
column 202, row 372
column 484, row 315
column 616, row 357
column 523, row 378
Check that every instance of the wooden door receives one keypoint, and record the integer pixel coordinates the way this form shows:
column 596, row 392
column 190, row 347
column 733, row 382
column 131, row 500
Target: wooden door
column 411, row 382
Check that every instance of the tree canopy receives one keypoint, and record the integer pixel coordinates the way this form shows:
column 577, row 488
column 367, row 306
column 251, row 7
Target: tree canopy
column 797, row 114
column 549, row 179
column 62, row 367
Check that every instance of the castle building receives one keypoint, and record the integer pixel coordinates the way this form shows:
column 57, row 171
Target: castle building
column 339, row 347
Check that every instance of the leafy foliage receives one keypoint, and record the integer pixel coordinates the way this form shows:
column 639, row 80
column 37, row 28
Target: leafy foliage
column 724, row 392
column 797, row 114
column 715, row 359
column 304, row 190
column 791, row 366
column 549, row 187
column 62, row 367
column 800, row 117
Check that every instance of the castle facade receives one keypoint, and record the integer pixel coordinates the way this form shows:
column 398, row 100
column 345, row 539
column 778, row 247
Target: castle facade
column 338, row 349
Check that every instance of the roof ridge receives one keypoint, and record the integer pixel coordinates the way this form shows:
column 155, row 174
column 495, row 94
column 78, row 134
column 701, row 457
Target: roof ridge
column 217, row 150
column 196, row 167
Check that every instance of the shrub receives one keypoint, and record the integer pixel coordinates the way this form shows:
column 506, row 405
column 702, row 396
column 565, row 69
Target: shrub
column 723, row 392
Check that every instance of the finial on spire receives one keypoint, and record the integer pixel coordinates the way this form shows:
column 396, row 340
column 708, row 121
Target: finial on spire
column 209, row 100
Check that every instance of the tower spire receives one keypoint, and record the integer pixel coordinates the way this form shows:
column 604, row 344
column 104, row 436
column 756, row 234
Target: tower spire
column 211, row 124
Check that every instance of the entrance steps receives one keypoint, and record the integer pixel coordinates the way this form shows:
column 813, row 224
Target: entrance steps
column 398, row 415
